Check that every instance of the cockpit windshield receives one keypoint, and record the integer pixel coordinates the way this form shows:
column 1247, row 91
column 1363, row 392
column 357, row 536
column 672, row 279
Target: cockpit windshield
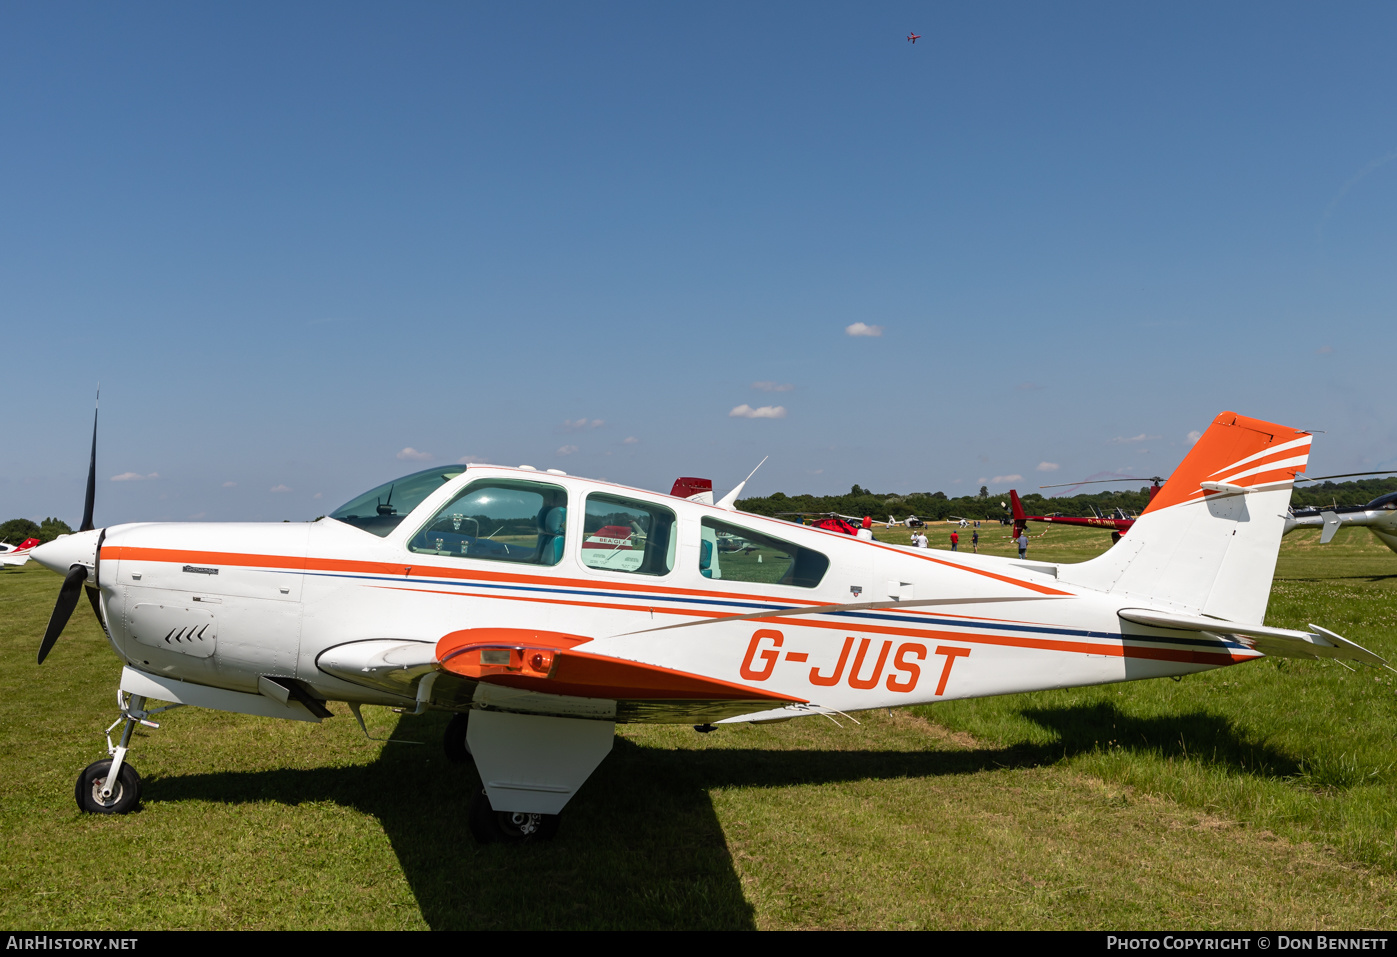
column 379, row 510
column 1384, row 501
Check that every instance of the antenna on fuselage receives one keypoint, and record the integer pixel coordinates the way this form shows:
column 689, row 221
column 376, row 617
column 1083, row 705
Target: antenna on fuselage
column 730, row 499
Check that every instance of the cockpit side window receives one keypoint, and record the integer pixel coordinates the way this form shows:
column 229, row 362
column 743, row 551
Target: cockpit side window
column 499, row 520
column 381, row 509
column 733, row 553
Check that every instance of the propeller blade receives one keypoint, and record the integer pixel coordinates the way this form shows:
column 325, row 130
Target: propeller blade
column 1156, row 479
column 1321, row 478
column 96, row 601
column 87, row 525
column 63, row 608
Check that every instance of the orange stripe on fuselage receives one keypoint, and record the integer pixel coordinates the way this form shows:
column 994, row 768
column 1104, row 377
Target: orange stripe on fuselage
column 409, row 570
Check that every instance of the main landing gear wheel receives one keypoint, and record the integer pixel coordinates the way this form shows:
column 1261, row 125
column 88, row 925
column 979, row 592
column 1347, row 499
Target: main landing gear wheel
column 126, row 789
column 508, row 827
column 458, row 750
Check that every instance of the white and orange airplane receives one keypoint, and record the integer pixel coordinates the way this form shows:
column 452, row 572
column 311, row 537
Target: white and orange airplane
column 17, row 554
column 543, row 609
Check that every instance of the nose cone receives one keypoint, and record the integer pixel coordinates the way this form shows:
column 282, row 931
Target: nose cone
column 68, row 550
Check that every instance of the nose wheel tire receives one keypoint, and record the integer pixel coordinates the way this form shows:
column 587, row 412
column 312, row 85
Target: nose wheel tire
column 126, row 789
column 509, row 827
column 458, row 751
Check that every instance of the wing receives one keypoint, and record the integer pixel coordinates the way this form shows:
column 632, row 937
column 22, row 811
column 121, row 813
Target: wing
column 540, row 672
column 528, row 671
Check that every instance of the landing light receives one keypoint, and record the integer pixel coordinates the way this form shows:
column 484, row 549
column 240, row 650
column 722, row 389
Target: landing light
column 477, row 661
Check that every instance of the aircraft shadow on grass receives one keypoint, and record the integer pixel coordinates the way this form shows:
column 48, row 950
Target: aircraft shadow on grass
column 641, row 846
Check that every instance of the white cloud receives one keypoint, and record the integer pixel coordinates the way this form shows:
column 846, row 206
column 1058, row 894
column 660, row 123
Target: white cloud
column 745, row 411
column 862, row 329
column 281, row 488
column 230, row 484
column 583, row 424
column 1001, row 479
column 1193, row 436
column 1124, row 439
column 630, row 440
column 410, row 454
column 134, row 476
column 1048, row 466
column 566, row 450
column 773, row 386
column 317, row 495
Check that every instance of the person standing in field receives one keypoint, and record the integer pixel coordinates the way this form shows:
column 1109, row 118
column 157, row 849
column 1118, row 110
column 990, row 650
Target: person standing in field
column 975, row 540
column 955, row 541
column 1022, row 541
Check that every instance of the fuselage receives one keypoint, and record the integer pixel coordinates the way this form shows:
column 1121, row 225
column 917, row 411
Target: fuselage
column 226, row 605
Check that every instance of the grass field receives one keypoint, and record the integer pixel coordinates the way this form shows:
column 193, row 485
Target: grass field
column 1258, row 796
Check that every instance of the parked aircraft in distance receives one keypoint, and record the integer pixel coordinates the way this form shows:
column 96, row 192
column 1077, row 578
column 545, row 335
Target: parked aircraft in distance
column 542, row 609
column 17, row 554
column 1379, row 516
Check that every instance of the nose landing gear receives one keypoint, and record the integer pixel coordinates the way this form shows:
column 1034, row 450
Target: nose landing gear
column 113, row 786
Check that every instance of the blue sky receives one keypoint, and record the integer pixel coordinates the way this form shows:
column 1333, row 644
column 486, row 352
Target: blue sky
column 308, row 247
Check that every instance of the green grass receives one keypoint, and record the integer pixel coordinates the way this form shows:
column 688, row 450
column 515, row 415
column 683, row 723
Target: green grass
column 1256, row 796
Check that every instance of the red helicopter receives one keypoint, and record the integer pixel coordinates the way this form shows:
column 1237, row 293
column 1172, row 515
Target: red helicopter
column 1120, row 522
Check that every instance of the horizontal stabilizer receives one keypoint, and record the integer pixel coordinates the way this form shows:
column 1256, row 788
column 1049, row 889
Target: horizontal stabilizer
column 1331, row 525
column 1276, row 642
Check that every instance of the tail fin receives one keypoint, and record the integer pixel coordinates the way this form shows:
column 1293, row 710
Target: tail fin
column 26, row 544
column 1015, row 506
column 1016, row 509
column 1208, row 541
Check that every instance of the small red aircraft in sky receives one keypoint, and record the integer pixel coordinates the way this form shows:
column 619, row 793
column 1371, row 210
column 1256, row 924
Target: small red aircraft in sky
column 913, row 37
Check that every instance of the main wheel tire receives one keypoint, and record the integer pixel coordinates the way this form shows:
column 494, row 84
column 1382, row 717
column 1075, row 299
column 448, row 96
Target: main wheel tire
column 509, row 827
column 125, row 795
column 454, row 743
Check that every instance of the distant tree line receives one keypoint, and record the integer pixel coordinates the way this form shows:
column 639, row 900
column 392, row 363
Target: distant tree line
column 937, row 506
column 17, row 530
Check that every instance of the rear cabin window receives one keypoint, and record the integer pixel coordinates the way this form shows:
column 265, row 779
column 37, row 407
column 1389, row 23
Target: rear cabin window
column 625, row 535
column 500, row 521
column 733, row 553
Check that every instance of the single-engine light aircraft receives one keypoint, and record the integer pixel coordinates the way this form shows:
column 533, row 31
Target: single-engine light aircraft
column 542, row 609
column 17, row 554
